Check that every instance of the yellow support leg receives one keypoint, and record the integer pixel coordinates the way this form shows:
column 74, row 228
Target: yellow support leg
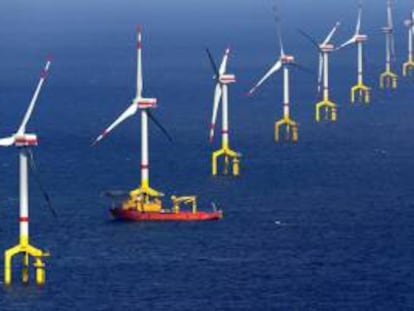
column 408, row 68
column 360, row 93
column 291, row 130
column 329, row 108
column 231, row 160
column 388, row 80
column 27, row 251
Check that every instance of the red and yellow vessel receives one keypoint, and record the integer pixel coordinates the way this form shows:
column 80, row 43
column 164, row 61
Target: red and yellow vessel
column 144, row 208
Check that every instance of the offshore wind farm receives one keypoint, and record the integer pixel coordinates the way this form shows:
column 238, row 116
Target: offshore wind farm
column 323, row 223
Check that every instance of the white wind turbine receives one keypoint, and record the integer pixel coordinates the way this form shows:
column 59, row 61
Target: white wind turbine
column 408, row 66
column 388, row 78
column 223, row 80
column 142, row 105
column 360, row 89
column 284, row 63
column 23, row 141
column 325, row 49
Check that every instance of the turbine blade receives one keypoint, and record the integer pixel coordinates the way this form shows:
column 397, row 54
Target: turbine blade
column 330, row 35
column 213, row 64
column 130, row 111
column 223, row 65
column 277, row 21
column 217, row 96
column 310, row 38
column 139, row 63
column 26, row 118
column 389, row 15
column 358, row 26
column 392, row 46
column 275, row 68
column 6, row 142
column 159, row 125
column 349, row 42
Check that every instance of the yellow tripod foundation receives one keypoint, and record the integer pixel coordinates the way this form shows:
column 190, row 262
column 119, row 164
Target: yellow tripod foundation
column 230, row 157
column 388, row 80
column 144, row 199
column 28, row 252
column 290, row 128
column 326, row 110
column 360, row 93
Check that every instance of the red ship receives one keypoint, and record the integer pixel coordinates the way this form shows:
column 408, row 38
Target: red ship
column 136, row 210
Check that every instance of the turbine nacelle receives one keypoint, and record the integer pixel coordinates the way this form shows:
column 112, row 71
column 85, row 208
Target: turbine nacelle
column 25, row 140
column 327, row 48
column 409, row 23
column 287, row 59
column 146, row 103
column 227, row 79
column 361, row 38
column 387, row 30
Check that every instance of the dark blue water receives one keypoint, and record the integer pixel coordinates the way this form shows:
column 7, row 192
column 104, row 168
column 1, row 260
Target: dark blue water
column 326, row 224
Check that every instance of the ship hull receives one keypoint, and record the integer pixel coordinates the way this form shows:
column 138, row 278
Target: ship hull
column 133, row 215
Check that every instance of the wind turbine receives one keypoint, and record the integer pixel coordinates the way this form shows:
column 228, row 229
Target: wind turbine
column 325, row 49
column 144, row 198
column 388, row 78
column 360, row 89
column 408, row 66
column 223, row 80
column 284, row 62
column 23, row 141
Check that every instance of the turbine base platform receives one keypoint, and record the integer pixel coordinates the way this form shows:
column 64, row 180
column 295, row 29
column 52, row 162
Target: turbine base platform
column 329, row 110
column 290, row 130
column 360, row 93
column 27, row 251
column 408, row 68
column 231, row 163
column 388, row 80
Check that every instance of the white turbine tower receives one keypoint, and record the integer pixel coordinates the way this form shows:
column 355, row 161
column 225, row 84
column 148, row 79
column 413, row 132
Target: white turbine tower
column 360, row 89
column 388, row 78
column 408, row 66
column 325, row 49
column 284, row 62
column 23, row 141
column 223, row 79
column 147, row 197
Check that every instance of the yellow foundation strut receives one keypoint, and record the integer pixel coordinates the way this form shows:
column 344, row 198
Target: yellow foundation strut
column 329, row 110
column 290, row 127
column 27, row 251
column 388, row 80
column 229, row 156
column 360, row 93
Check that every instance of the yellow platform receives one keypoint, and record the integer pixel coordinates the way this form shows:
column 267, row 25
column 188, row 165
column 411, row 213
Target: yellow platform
column 329, row 108
column 291, row 129
column 229, row 156
column 360, row 93
column 27, row 251
column 388, row 80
